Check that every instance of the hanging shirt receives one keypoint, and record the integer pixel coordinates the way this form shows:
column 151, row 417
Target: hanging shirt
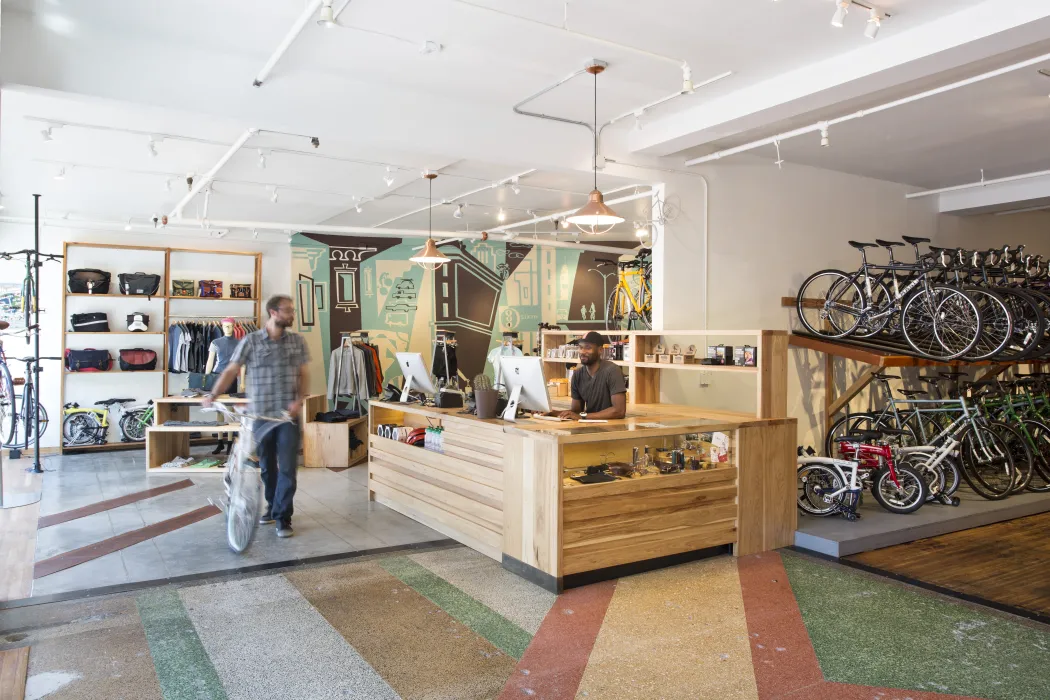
column 501, row 350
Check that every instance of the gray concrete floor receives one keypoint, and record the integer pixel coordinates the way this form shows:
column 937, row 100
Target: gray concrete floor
column 332, row 516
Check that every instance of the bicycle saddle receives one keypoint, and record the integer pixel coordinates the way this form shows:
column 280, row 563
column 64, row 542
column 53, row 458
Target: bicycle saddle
column 883, row 375
column 888, row 244
column 935, row 381
column 911, row 392
column 110, row 402
column 913, row 240
column 862, row 246
column 860, row 435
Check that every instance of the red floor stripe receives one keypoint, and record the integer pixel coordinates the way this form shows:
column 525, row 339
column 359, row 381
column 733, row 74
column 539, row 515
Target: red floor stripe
column 67, row 515
column 553, row 665
column 66, row 560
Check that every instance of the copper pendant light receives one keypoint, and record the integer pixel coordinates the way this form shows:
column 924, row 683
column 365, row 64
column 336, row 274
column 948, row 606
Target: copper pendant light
column 430, row 258
column 595, row 217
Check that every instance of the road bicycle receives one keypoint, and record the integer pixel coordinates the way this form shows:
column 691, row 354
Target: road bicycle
column 90, row 426
column 827, row 485
column 243, row 478
column 17, row 428
column 936, row 320
column 630, row 306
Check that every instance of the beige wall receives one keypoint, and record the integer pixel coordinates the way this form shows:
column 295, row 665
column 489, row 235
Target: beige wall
column 768, row 230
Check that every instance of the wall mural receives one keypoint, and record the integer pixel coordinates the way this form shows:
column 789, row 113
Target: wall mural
column 489, row 287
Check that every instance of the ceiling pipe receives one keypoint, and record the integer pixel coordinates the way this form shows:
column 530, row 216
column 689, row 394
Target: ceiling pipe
column 457, row 197
column 539, row 115
column 311, row 11
column 822, row 125
column 687, row 89
column 199, row 184
column 980, row 183
column 562, row 214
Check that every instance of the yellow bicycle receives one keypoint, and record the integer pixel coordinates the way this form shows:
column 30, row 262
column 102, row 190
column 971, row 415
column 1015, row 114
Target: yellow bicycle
column 630, row 306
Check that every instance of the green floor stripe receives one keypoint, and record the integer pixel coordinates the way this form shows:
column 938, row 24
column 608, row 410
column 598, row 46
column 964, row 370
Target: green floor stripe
column 501, row 632
column 868, row 631
column 183, row 668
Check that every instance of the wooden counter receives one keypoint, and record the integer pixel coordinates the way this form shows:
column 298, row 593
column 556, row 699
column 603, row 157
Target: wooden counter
column 499, row 488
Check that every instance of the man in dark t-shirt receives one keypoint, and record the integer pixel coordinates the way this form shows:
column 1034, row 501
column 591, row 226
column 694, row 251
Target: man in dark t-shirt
column 598, row 391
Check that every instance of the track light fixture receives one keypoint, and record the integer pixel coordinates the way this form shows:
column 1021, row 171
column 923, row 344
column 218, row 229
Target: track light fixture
column 274, row 195
column 824, row 141
column 640, row 230
column 262, row 159
column 1, row 202
column 315, row 142
column 151, row 146
column 501, row 216
column 327, row 16
column 167, row 185
column 389, row 177
column 127, row 225
column 514, row 186
column 46, row 134
column 61, row 173
column 458, row 214
column 358, row 208
column 874, row 24
column 841, row 10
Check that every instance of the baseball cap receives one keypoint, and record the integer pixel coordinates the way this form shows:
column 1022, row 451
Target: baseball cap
column 594, row 338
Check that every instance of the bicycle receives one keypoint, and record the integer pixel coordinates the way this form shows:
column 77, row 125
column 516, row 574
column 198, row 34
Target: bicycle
column 626, row 310
column 89, row 426
column 134, row 422
column 243, row 478
column 16, row 429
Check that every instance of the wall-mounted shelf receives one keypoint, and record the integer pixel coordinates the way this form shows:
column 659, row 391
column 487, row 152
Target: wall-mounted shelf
column 118, row 294
column 119, row 371
column 115, row 333
column 173, row 298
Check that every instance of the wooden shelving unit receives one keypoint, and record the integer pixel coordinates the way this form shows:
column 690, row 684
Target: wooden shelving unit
column 644, row 377
column 164, row 319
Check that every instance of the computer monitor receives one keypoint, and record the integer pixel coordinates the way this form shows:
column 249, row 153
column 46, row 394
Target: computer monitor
column 416, row 374
column 526, row 385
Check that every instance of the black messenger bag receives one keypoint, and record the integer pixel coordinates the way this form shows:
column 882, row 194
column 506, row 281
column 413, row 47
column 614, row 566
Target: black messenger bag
column 137, row 359
column 90, row 323
column 88, row 360
column 139, row 283
column 88, row 281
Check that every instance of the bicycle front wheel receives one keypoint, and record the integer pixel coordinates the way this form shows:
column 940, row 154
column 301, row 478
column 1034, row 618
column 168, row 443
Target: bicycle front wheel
column 132, row 426
column 7, row 406
column 830, row 304
column 816, row 484
column 942, row 324
column 620, row 314
column 80, row 429
column 987, row 465
column 242, row 511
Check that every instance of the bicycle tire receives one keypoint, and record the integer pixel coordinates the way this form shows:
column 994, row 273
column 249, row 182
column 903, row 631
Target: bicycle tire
column 863, row 421
column 81, row 429
column 1040, row 433
column 881, row 298
column 621, row 316
column 997, row 323
column 944, row 324
column 242, row 510
column 1020, row 452
column 7, row 406
column 905, row 496
column 131, row 427
column 813, row 479
column 989, row 474
column 839, row 288
column 21, row 438
column 1029, row 323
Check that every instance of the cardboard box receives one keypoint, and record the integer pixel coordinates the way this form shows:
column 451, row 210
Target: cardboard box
column 650, row 358
column 665, row 359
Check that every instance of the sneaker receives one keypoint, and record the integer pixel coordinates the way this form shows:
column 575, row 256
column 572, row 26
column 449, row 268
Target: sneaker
column 266, row 519
column 284, row 529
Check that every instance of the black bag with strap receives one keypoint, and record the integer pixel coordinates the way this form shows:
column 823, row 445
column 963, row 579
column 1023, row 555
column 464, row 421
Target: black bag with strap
column 88, row 360
column 88, row 281
column 139, row 283
column 97, row 322
column 137, row 359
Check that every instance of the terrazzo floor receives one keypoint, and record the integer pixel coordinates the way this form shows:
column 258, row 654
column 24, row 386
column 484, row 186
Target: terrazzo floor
column 451, row 623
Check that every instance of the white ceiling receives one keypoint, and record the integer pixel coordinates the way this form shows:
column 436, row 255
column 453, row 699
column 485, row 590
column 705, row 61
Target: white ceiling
column 186, row 68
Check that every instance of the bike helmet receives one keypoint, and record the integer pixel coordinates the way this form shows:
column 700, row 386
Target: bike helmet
column 138, row 322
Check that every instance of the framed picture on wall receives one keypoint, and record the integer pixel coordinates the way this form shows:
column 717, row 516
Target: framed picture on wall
column 307, row 301
column 319, row 294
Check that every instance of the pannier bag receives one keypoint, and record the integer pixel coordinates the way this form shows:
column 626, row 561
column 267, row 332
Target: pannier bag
column 240, row 291
column 139, row 283
column 138, row 322
column 88, row 360
column 137, row 359
column 90, row 323
column 88, row 281
column 182, row 288
column 210, row 289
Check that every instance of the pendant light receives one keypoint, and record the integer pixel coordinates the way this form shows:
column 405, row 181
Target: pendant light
column 595, row 217
column 430, row 258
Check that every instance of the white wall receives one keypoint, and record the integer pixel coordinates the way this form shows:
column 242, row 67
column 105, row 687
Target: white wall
column 88, row 388
column 768, row 230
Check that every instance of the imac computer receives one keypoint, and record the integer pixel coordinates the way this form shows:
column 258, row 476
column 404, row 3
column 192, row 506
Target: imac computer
column 526, row 385
column 417, row 376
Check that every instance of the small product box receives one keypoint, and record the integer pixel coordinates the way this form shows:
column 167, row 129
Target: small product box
column 650, row 358
column 665, row 359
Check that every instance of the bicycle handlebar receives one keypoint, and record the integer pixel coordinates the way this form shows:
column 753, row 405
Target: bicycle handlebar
column 220, row 407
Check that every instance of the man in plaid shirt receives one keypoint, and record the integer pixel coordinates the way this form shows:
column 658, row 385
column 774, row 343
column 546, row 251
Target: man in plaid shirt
column 276, row 361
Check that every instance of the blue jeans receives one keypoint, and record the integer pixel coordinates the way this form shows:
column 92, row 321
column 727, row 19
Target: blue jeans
column 278, row 451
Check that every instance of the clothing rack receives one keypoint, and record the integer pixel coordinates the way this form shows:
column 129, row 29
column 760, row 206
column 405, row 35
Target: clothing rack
column 443, row 340
column 250, row 319
column 348, row 338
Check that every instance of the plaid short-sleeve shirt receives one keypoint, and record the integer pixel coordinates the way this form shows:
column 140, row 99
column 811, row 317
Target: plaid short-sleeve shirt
column 273, row 369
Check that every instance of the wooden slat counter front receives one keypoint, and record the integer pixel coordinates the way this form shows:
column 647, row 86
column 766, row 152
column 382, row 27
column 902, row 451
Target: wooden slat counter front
column 500, row 488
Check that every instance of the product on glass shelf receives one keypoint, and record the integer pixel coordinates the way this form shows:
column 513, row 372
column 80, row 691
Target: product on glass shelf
column 88, row 360
column 88, row 281
column 96, row 322
column 139, row 283
column 182, row 288
column 137, row 359
column 240, row 291
column 209, row 289
column 138, row 322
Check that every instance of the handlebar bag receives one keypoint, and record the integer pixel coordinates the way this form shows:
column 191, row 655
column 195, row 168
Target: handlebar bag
column 137, row 359
column 88, row 360
column 182, row 288
column 88, row 281
column 90, row 323
column 139, row 283
column 210, row 289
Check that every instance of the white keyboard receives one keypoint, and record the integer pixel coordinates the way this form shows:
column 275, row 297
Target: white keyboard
column 556, row 419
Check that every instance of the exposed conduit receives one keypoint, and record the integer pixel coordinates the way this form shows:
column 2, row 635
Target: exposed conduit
column 865, row 112
column 562, row 214
column 199, row 184
column 309, row 13
column 980, row 183
column 457, row 197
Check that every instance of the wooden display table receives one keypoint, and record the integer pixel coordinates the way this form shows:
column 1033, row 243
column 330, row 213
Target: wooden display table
column 500, row 488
